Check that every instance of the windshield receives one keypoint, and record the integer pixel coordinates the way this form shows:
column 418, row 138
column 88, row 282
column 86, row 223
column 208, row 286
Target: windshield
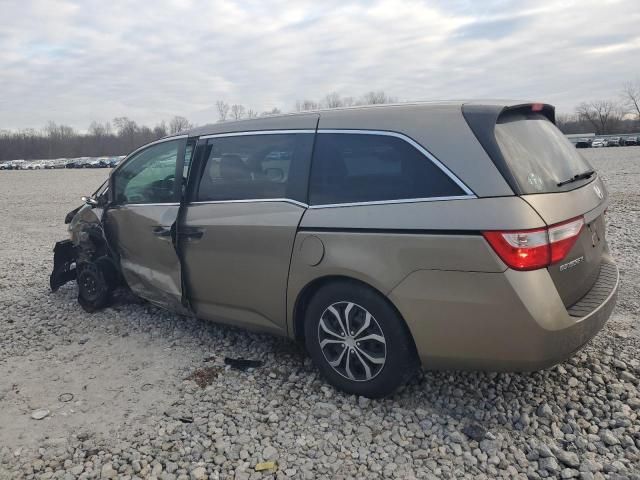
column 538, row 154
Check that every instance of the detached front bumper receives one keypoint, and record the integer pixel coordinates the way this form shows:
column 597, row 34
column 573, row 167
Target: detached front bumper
column 64, row 264
column 509, row 321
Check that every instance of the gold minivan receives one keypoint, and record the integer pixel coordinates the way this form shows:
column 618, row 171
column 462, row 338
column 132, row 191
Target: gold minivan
column 449, row 235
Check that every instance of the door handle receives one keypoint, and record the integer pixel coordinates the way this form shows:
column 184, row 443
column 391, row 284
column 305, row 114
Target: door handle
column 160, row 231
column 191, row 232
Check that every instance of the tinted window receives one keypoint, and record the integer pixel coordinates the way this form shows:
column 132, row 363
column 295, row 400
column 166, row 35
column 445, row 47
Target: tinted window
column 362, row 168
column 538, row 154
column 149, row 176
column 255, row 166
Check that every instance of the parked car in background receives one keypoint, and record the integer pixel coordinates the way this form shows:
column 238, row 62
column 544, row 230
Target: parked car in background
column 583, row 143
column 629, row 141
column 613, row 142
column 35, row 165
column 95, row 163
column 364, row 233
column 4, row 166
column 599, row 142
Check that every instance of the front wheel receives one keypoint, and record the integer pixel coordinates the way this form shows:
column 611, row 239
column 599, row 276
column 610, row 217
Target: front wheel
column 358, row 340
column 95, row 286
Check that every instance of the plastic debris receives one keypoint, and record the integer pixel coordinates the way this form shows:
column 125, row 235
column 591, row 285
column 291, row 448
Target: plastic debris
column 242, row 363
column 260, row 467
column 40, row 414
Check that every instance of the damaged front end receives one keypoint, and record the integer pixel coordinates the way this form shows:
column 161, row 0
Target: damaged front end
column 86, row 258
column 64, row 257
column 64, row 264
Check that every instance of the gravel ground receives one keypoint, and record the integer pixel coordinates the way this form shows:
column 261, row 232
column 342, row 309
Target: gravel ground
column 114, row 392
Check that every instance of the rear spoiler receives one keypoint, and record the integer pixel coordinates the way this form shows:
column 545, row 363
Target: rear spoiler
column 482, row 120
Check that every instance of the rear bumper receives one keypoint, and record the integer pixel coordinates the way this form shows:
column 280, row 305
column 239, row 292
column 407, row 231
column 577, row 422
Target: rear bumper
column 510, row 321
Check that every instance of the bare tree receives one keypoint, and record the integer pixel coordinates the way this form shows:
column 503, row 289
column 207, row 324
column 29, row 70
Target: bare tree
column 305, row 105
column 376, row 98
column 55, row 131
column 601, row 114
column 332, row 100
column 160, row 130
column 273, row 111
column 564, row 119
column 223, row 110
column 127, row 130
column 631, row 97
column 251, row 113
column 178, row 124
column 348, row 101
column 98, row 129
column 237, row 111
column 125, row 126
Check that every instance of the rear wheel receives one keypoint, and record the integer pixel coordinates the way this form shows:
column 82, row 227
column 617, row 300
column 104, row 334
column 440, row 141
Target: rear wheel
column 358, row 340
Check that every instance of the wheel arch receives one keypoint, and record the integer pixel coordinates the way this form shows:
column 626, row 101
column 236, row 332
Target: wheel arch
column 310, row 289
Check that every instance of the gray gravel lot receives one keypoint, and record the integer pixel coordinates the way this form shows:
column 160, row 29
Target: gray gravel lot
column 117, row 403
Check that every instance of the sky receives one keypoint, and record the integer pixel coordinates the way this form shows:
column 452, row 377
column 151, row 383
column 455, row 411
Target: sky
column 78, row 61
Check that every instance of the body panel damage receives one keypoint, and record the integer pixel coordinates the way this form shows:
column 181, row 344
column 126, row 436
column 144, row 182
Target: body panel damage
column 86, row 258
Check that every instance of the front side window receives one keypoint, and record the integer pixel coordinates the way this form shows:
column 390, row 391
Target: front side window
column 149, row 176
column 252, row 167
column 351, row 168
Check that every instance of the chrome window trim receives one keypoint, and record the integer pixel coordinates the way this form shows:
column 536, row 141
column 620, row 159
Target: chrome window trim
column 468, row 192
column 414, row 144
column 162, row 140
column 331, row 205
column 256, row 132
column 170, row 204
column 391, row 202
column 252, row 200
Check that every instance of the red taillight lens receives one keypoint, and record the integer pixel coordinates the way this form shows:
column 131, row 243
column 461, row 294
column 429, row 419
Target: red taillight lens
column 533, row 249
column 524, row 250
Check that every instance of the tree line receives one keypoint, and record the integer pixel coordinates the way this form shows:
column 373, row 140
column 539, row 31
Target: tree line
column 123, row 135
column 118, row 137
column 606, row 116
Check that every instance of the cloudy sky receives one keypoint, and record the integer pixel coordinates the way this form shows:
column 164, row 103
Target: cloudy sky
column 78, row 61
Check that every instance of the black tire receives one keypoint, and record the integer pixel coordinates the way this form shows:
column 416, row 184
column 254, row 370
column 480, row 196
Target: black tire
column 94, row 287
column 398, row 350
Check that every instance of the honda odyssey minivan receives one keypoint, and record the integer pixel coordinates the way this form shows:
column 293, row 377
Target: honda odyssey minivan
column 449, row 235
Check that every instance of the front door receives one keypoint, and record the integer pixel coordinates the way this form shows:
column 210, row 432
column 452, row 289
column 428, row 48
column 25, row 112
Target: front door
column 140, row 222
column 240, row 225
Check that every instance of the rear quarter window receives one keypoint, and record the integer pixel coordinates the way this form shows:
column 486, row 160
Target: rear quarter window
column 537, row 153
column 353, row 168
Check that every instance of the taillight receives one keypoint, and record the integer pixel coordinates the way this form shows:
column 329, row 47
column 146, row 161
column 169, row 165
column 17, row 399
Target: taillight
column 563, row 236
column 538, row 248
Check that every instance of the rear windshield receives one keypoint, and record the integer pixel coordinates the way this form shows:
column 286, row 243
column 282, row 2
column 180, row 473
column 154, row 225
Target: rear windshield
column 538, row 154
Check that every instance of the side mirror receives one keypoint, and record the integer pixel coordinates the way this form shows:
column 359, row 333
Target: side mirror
column 91, row 201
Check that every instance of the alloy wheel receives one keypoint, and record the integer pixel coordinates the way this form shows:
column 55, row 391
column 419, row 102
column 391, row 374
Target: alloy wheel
column 352, row 342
